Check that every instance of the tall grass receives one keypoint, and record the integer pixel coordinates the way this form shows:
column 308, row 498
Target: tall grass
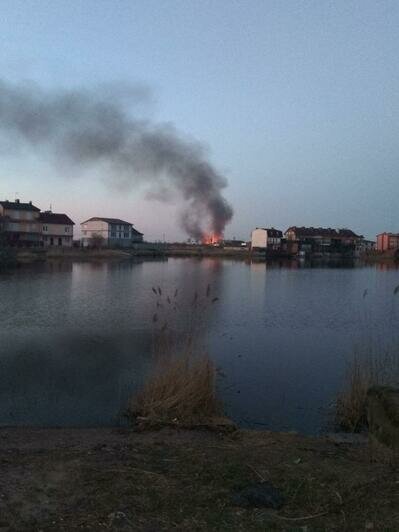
column 180, row 388
column 375, row 363
column 351, row 407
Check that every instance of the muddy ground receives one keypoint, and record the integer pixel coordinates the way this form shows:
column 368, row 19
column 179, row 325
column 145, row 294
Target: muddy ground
column 113, row 479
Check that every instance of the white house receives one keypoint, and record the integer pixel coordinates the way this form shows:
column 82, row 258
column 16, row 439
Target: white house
column 263, row 238
column 57, row 229
column 109, row 232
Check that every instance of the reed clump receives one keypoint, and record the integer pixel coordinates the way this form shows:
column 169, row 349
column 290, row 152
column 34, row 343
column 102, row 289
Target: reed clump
column 375, row 363
column 367, row 368
column 351, row 406
column 181, row 386
column 181, row 390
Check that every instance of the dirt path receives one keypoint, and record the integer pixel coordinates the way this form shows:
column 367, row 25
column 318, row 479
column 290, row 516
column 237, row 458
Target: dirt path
column 106, row 479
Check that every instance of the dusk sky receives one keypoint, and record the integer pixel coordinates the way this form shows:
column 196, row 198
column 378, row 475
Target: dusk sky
column 297, row 103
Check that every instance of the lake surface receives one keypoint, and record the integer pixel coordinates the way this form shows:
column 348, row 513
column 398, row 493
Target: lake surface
column 75, row 338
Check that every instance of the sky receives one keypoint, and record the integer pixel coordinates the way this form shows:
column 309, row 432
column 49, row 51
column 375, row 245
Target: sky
column 297, row 103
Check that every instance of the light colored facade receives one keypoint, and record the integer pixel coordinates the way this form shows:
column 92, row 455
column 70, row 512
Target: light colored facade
column 387, row 241
column 109, row 232
column 263, row 238
column 57, row 229
column 21, row 223
column 366, row 245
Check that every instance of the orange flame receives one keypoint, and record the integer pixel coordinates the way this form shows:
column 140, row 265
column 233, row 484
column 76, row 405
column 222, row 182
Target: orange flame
column 211, row 239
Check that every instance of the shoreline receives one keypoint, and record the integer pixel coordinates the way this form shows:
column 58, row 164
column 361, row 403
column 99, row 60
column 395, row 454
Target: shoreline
column 103, row 478
column 37, row 256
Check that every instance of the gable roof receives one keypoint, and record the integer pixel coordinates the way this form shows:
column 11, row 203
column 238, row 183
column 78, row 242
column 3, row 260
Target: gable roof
column 55, row 218
column 271, row 232
column 303, row 232
column 107, row 220
column 113, row 221
column 18, row 206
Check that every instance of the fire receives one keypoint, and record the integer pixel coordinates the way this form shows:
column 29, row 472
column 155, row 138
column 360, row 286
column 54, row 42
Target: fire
column 211, row 239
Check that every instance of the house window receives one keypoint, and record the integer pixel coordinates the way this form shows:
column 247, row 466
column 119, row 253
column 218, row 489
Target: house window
column 45, row 228
column 126, row 235
column 113, row 234
column 67, row 229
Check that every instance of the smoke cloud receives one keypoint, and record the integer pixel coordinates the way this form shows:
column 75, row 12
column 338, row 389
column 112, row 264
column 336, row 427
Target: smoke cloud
column 97, row 127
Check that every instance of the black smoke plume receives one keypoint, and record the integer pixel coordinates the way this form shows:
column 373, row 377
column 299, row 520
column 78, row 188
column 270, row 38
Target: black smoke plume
column 96, row 127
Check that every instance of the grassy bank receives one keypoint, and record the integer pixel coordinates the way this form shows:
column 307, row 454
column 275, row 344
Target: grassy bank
column 374, row 256
column 107, row 479
column 24, row 256
column 205, row 251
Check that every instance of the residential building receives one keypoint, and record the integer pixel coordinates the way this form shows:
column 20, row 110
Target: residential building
column 387, row 241
column 366, row 245
column 57, row 229
column 20, row 223
column 264, row 238
column 109, row 232
column 319, row 239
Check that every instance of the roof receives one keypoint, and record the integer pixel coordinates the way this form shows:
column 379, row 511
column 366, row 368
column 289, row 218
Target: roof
column 324, row 232
column 271, row 232
column 55, row 218
column 18, row 206
column 114, row 221
column 108, row 220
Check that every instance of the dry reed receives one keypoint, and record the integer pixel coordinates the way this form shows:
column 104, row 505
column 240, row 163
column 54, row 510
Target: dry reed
column 351, row 407
column 375, row 364
column 368, row 368
column 180, row 388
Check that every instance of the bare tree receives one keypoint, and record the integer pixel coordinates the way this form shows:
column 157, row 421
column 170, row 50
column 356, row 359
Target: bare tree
column 97, row 241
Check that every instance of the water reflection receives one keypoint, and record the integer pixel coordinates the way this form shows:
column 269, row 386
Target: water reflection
column 75, row 337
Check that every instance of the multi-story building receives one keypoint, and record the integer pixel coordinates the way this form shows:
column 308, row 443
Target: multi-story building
column 109, row 232
column 263, row 238
column 365, row 246
column 323, row 239
column 57, row 229
column 21, row 225
column 387, row 241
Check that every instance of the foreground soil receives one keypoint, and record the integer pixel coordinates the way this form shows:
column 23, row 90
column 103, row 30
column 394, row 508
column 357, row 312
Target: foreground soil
column 113, row 479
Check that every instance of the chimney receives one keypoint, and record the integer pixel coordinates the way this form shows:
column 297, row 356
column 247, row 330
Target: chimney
column 30, row 203
column 17, row 201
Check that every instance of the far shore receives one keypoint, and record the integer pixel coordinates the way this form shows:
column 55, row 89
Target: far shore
column 32, row 255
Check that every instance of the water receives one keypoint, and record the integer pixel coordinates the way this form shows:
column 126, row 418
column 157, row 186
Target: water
column 75, row 338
